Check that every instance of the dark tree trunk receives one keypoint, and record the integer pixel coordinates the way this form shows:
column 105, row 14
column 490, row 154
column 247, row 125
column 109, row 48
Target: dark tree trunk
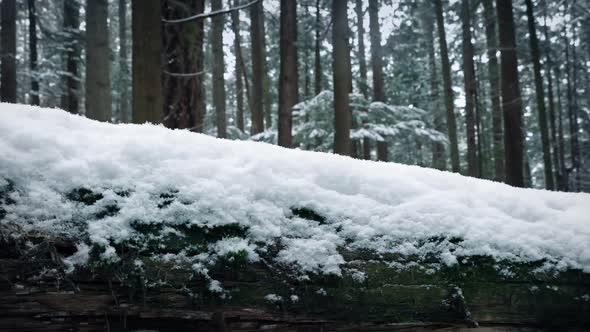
column 98, row 78
column 199, row 104
column 494, row 75
column 317, row 59
column 341, row 76
column 306, row 64
column 146, row 56
column 560, row 136
column 363, row 87
column 540, row 93
column 33, row 52
column 448, row 88
column 123, row 67
column 8, row 52
column 288, row 88
column 470, row 90
column 257, row 111
column 511, row 101
column 218, row 69
column 377, row 67
column 573, row 110
column 235, row 24
column 266, row 100
column 71, row 24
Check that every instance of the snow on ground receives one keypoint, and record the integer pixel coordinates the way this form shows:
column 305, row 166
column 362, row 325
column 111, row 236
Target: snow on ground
column 391, row 208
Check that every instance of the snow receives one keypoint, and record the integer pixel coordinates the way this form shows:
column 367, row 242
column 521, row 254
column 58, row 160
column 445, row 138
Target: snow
column 387, row 207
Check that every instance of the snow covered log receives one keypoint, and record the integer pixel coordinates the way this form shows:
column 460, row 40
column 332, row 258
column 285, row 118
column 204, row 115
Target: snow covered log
column 128, row 227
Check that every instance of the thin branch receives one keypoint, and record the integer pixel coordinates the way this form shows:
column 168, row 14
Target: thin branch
column 209, row 14
column 185, row 75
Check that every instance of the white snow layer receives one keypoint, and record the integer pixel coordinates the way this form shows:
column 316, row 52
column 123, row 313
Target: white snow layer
column 388, row 207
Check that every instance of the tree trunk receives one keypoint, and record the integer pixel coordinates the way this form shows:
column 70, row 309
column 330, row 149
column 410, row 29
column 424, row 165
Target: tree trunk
column 257, row 111
column 560, row 137
column 147, row 57
column 363, row 87
column 540, row 93
column 494, row 75
column 317, row 59
column 218, row 69
column 71, row 24
column 8, row 52
column 511, row 101
column 199, row 105
column 123, row 67
column 235, row 24
column 470, row 90
column 288, row 89
column 341, row 76
column 574, row 127
column 266, row 100
column 438, row 148
column 377, row 67
column 98, row 78
column 448, row 88
column 33, row 52
column 552, row 116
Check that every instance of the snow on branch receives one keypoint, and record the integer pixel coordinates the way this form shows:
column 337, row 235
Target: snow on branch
column 209, row 14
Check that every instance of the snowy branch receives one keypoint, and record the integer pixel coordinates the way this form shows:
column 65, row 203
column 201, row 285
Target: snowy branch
column 188, row 75
column 209, row 14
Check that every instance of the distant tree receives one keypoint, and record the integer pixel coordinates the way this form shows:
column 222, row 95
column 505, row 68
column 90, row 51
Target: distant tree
column 257, row 110
column 341, row 77
column 147, row 61
column 438, row 148
column 470, row 90
column 123, row 67
column 288, row 79
column 33, row 52
column 494, row 77
column 363, row 87
column 511, row 101
column 235, row 24
column 318, row 42
column 377, row 66
column 448, row 88
column 71, row 24
column 98, row 81
column 8, row 52
column 540, row 93
column 218, row 69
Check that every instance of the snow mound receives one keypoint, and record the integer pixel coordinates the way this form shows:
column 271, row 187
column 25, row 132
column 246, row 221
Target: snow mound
column 66, row 175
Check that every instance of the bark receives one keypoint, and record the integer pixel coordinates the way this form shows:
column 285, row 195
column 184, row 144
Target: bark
column 341, row 77
column 511, row 101
column 470, row 90
column 218, row 69
column 200, row 106
column 448, row 88
column 146, row 56
column 494, row 75
column 306, row 48
column 71, row 24
column 123, row 67
column 98, row 78
column 288, row 80
column 8, row 52
column 317, row 59
column 266, row 100
column 540, row 93
column 257, row 111
column 438, row 148
column 363, row 87
column 573, row 116
column 377, row 67
column 235, row 23
column 183, row 54
column 33, row 52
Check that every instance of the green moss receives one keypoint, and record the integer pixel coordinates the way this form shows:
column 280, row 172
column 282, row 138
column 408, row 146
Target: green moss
column 84, row 195
column 309, row 214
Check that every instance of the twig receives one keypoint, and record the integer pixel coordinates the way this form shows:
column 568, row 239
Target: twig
column 209, row 14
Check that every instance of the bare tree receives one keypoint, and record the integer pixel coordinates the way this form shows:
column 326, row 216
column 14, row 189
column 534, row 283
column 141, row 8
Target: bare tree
column 288, row 78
